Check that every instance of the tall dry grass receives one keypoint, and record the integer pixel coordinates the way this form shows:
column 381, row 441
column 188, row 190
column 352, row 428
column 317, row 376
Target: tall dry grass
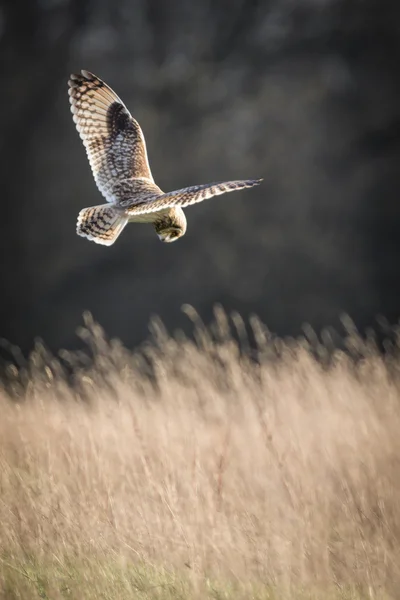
column 275, row 470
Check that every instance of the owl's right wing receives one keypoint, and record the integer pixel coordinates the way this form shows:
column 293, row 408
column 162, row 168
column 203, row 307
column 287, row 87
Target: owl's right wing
column 113, row 139
column 187, row 196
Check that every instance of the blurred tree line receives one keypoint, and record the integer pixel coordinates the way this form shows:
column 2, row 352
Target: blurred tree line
column 304, row 93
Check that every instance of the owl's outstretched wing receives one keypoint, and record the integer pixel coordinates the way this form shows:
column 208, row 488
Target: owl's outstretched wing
column 189, row 195
column 114, row 141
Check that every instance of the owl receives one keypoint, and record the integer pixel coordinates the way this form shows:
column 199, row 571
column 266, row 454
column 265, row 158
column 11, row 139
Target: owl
column 117, row 154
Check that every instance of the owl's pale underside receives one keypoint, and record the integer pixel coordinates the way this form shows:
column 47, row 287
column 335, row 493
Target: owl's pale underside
column 117, row 154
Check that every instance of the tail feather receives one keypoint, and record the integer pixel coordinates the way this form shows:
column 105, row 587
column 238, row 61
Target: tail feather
column 101, row 224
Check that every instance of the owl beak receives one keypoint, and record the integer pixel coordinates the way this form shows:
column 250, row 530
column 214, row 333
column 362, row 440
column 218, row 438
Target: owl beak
column 170, row 235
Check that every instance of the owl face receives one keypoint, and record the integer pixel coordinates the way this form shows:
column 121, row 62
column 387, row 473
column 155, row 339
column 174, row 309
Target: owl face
column 170, row 225
column 171, row 234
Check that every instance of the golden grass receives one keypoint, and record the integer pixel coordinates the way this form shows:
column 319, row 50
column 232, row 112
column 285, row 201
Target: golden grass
column 189, row 470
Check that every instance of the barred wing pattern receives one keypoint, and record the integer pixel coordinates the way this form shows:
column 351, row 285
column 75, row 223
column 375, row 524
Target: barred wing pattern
column 187, row 196
column 113, row 139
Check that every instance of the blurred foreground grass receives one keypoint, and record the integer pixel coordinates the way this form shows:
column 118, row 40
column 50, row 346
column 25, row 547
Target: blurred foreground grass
column 109, row 579
column 205, row 468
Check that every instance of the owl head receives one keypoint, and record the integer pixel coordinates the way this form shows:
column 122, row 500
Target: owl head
column 172, row 226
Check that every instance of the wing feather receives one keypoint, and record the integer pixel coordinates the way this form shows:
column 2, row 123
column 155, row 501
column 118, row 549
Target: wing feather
column 190, row 195
column 113, row 139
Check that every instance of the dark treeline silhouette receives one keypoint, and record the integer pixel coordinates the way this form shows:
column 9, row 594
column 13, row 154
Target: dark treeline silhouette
column 305, row 94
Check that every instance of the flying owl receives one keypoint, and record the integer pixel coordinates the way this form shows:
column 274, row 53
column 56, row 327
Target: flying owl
column 117, row 154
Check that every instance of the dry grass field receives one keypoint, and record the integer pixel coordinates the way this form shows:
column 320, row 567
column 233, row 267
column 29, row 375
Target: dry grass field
column 192, row 470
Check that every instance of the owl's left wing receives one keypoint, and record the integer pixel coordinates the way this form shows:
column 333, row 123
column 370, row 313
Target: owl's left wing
column 190, row 195
column 113, row 139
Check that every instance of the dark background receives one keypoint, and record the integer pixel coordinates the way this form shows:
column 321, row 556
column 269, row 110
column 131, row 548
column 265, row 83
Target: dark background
column 304, row 93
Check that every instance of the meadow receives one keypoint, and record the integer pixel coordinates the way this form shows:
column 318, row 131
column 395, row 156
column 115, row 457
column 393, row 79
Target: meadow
column 210, row 467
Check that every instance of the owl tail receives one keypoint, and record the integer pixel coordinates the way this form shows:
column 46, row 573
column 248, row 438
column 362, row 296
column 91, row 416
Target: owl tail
column 101, row 224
